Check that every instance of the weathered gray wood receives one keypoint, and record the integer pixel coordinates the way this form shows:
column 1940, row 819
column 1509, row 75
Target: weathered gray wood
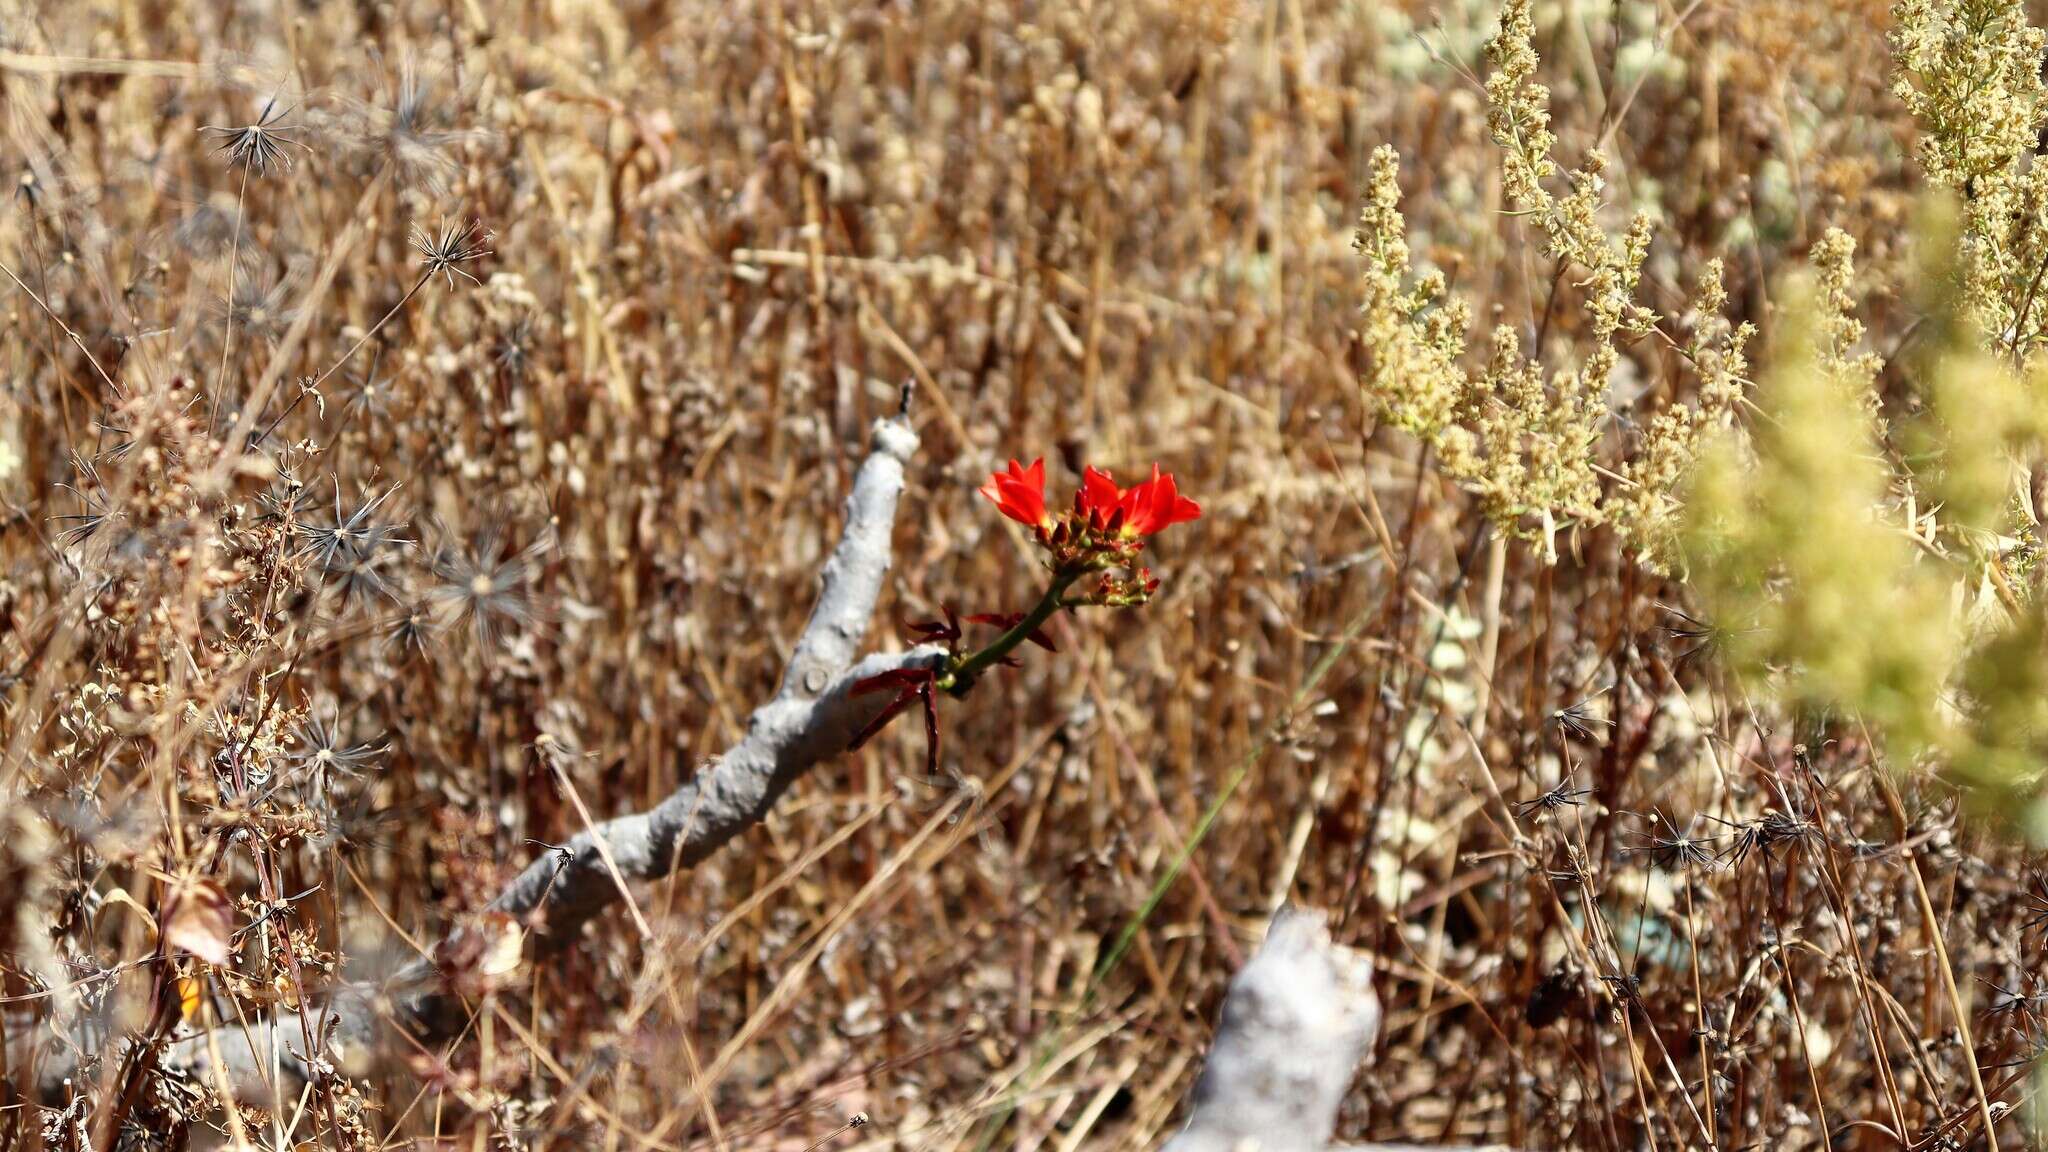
column 1295, row 1024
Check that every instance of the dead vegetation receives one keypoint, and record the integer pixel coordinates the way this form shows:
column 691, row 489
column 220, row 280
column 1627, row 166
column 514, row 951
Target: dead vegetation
column 424, row 426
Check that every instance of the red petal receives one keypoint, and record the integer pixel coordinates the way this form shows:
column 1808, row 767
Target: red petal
column 1098, row 491
column 1137, row 510
column 1019, row 492
column 1157, row 503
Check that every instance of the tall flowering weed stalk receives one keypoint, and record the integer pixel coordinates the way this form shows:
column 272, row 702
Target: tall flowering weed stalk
column 1534, row 446
column 1803, row 533
column 1969, row 72
column 1092, row 559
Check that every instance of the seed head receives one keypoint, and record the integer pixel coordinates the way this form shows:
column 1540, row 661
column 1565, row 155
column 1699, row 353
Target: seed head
column 406, row 133
column 323, row 751
column 1555, row 800
column 480, row 585
column 453, row 246
column 260, row 305
column 258, row 146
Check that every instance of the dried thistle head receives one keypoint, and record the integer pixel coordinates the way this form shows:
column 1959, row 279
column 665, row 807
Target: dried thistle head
column 1556, row 799
column 478, row 583
column 206, row 228
column 259, row 306
column 453, row 245
column 94, row 509
column 1699, row 638
column 354, row 537
column 513, row 352
column 408, row 133
column 322, row 751
column 260, row 145
column 2024, row 1012
column 410, row 633
column 1578, row 720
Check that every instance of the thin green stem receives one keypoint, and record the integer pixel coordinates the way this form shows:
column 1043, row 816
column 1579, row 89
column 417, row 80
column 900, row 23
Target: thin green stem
column 963, row 675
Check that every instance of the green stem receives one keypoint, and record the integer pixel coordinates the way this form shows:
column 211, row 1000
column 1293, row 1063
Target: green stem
column 963, row 674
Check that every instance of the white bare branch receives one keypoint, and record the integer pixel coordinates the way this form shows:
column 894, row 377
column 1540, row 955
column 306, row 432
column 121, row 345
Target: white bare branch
column 1295, row 1024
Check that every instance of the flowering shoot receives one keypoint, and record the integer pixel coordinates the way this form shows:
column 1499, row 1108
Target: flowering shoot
column 1102, row 535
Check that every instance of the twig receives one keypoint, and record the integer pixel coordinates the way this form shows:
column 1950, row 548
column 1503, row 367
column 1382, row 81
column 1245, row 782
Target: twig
column 47, row 311
column 812, row 718
column 1944, row 965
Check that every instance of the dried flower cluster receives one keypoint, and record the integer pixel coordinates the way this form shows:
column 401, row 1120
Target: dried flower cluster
column 1788, row 541
column 1535, row 447
column 1970, row 72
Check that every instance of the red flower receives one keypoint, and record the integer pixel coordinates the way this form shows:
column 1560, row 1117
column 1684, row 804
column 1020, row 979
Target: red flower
column 1020, row 493
column 1155, row 504
column 1140, row 510
column 1098, row 499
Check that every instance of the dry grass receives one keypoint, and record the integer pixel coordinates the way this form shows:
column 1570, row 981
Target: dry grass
column 539, row 542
